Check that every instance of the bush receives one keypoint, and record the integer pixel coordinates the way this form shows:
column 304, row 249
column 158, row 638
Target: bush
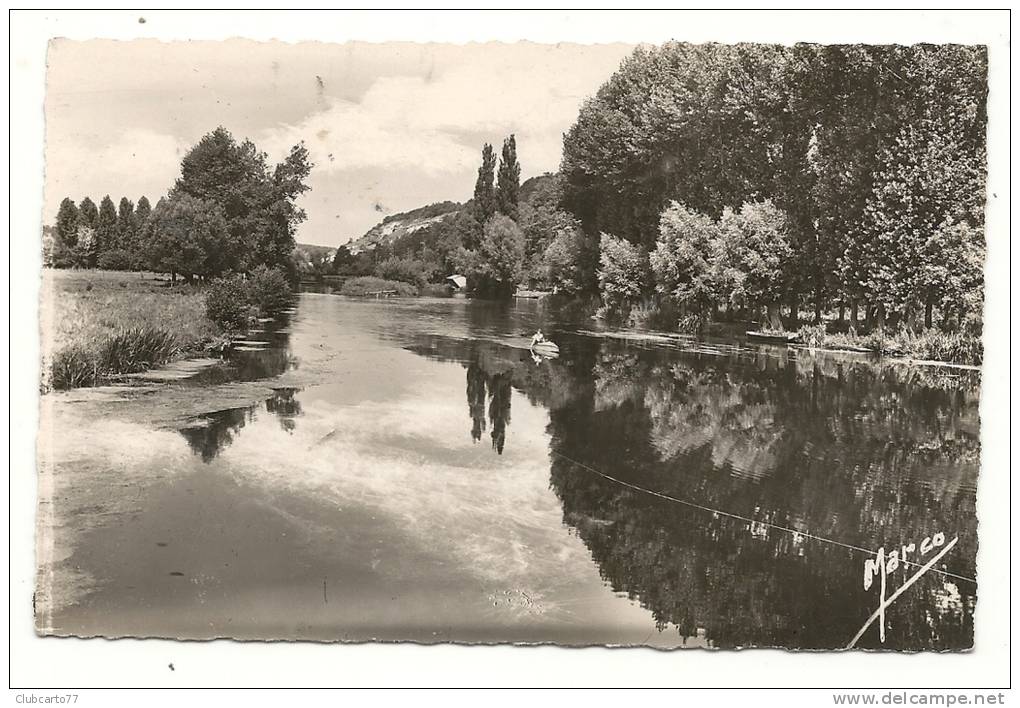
column 406, row 270
column 268, row 291
column 227, row 303
column 116, row 259
column 813, row 335
column 370, row 285
column 691, row 323
column 72, row 367
column 135, row 349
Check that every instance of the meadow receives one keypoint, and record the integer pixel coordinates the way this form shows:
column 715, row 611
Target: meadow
column 97, row 324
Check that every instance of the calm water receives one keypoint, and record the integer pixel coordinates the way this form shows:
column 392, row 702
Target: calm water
column 443, row 485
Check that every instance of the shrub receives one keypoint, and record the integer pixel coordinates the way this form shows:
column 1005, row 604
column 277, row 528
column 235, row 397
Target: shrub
column 691, row 323
column 370, row 285
column 813, row 335
column 135, row 349
column 116, row 259
column 268, row 291
column 875, row 340
column 406, row 270
column 227, row 303
column 72, row 367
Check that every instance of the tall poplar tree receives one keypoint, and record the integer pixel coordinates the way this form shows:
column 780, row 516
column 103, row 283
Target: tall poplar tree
column 67, row 222
column 125, row 224
column 88, row 213
column 508, row 180
column 485, row 197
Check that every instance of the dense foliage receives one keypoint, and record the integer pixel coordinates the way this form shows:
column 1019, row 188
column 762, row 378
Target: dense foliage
column 872, row 159
column 85, row 236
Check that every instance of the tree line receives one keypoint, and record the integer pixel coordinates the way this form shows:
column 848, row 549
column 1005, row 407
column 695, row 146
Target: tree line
column 507, row 234
column 87, row 236
column 228, row 211
column 750, row 177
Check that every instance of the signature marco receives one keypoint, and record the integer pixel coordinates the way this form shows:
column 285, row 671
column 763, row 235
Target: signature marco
column 885, row 563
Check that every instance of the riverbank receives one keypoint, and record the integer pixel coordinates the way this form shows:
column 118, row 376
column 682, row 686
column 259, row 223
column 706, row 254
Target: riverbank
column 928, row 346
column 98, row 324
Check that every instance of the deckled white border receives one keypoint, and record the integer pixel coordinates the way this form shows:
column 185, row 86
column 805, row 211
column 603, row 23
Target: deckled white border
column 54, row 662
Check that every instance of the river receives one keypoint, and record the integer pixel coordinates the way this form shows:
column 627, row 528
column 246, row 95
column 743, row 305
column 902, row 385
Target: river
column 405, row 470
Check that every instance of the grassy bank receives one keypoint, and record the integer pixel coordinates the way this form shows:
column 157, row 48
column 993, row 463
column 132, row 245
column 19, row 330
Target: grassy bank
column 98, row 324
column 371, row 286
column 928, row 345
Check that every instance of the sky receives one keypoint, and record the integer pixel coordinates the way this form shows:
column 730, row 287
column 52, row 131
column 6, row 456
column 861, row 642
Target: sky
column 389, row 126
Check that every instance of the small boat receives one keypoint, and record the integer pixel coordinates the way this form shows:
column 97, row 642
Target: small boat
column 773, row 337
column 546, row 349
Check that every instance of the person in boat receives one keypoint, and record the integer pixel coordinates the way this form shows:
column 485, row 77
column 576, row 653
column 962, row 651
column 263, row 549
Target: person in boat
column 537, row 338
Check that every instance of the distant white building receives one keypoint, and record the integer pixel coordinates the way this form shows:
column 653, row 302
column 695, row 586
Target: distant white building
column 459, row 282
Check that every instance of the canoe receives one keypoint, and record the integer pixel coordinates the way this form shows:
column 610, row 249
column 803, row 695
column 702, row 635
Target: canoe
column 773, row 337
column 546, row 349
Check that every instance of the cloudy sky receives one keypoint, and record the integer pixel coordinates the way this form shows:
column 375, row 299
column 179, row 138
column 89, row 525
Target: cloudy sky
column 389, row 126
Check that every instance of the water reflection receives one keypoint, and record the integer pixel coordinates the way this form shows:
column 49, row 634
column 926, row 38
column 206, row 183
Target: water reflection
column 864, row 454
column 210, row 434
column 285, row 406
column 264, row 355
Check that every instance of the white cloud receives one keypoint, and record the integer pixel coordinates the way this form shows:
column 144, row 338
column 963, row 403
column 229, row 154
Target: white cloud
column 426, row 123
column 130, row 164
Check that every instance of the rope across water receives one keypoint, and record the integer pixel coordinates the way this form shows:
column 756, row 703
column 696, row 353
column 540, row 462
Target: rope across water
column 720, row 512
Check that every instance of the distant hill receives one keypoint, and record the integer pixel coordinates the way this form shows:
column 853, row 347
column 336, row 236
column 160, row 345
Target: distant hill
column 542, row 190
column 396, row 226
column 305, row 253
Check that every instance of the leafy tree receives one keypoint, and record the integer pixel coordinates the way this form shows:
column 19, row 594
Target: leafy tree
column 541, row 226
column 752, row 256
column 190, row 236
column 623, row 274
column 88, row 213
column 258, row 204
column 497, row 265
column 404, row 269
column 866, row 150
column 699, row 124
column 569, row 262
column 484, row 200
column 508, row 182
column 67, row 222
column 931, row 176
column 682, row 261
column 343, row 259
column 502, row 254
column 269, row 291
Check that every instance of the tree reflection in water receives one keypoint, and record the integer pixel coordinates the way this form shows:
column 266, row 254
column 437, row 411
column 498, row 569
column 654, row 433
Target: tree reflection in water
column 864, row 453
column 285, row 406
column 210, row 434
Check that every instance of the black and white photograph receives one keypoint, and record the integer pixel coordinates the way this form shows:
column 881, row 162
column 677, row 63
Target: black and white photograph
column 672, row 344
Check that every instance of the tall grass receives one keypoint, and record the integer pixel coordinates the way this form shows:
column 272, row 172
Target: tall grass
column 129, row 351
column 929, row 344
column 97, row 324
